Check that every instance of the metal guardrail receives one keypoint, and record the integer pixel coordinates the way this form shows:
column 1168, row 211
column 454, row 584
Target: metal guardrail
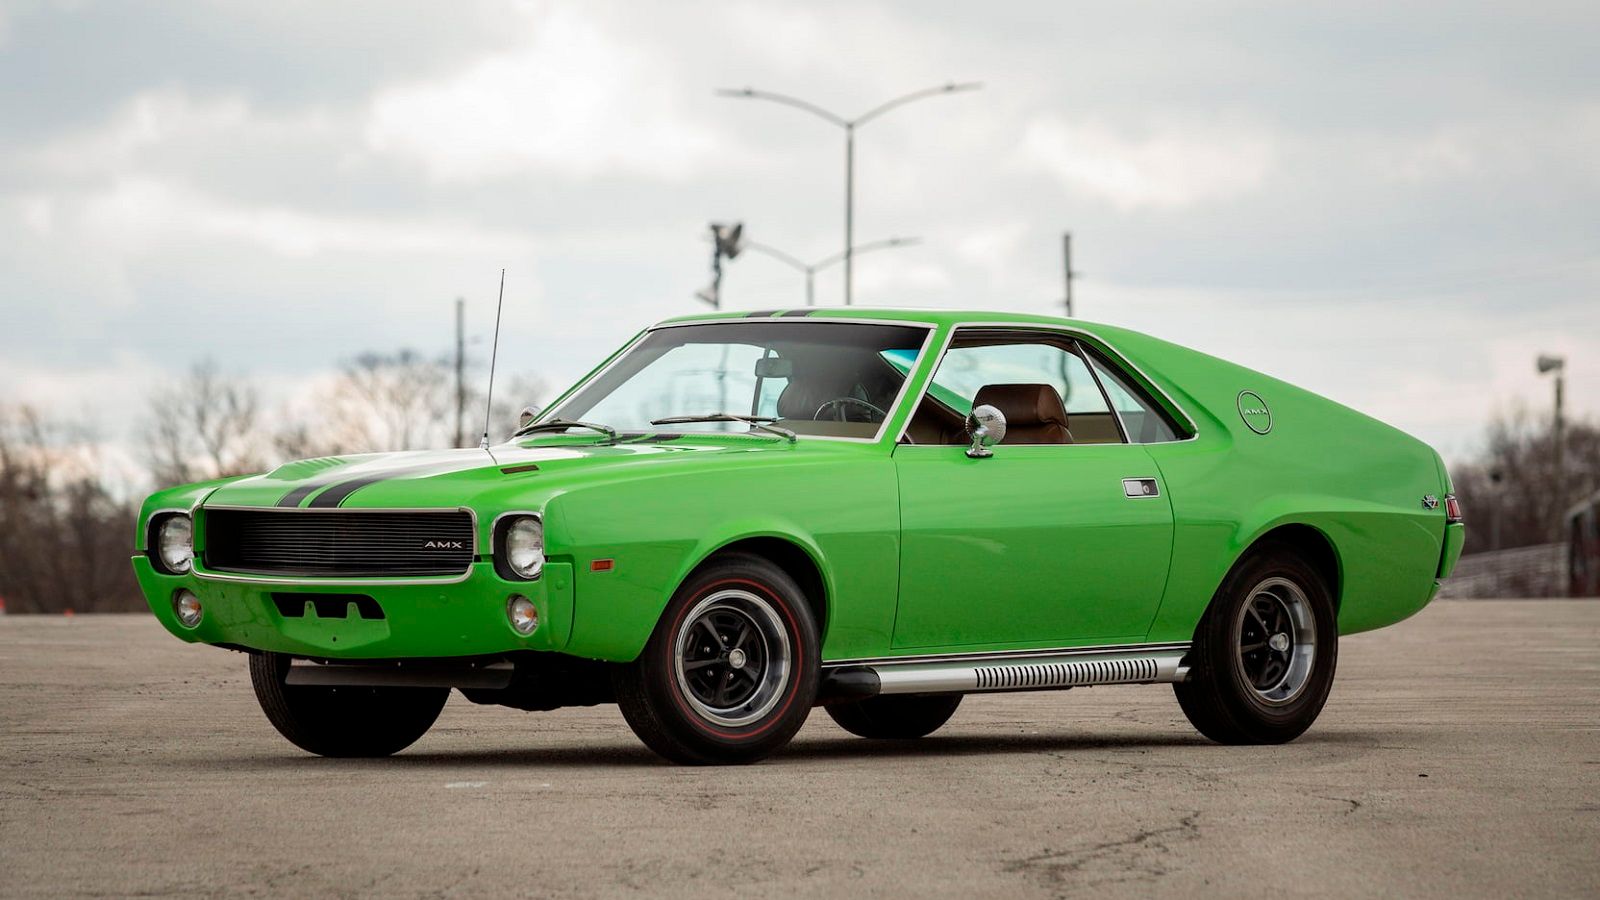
column 1536, row 571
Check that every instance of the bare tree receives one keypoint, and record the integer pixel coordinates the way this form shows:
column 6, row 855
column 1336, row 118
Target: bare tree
column 203, row 426
column 1512, row 493
column 64, row 538
column 399, row 401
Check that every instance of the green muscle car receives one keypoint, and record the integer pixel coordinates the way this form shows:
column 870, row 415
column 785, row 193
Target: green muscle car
column 740, row 516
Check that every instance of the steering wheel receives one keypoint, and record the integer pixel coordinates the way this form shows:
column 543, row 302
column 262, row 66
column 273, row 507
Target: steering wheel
column 840, row 404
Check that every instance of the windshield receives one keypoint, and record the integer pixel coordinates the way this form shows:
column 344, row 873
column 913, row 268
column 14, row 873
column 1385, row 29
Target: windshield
column 811, row 378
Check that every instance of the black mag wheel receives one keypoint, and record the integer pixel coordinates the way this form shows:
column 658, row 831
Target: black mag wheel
column 895, row 717
column 732, row 657
column 731, row 671
column 1263, row 659
column 343, row 721
column 1276, row 640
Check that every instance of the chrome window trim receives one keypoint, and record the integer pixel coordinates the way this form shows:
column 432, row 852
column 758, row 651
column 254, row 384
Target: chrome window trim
column 764, row 320
column 1116, row 414
column 998, row 655
column 1119, row 358
column 365, row 581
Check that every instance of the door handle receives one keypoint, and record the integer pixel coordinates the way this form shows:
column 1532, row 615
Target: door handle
column 1140, row 488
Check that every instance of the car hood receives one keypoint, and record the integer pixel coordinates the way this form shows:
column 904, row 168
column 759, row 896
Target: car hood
column 434, row 478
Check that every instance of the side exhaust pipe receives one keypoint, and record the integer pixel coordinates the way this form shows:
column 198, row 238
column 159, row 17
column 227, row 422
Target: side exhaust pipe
column 992, row 673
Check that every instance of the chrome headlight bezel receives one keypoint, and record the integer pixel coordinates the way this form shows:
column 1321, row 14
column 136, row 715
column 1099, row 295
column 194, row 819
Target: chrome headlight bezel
column 519, row 546
column 170, row 543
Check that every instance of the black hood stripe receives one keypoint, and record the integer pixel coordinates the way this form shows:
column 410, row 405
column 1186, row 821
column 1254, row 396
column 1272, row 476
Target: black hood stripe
column 336, row 495
column 300, row 493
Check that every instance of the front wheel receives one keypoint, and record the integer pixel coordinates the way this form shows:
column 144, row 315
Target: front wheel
column 343, row 721
column 731, row 671
column 1263, row 658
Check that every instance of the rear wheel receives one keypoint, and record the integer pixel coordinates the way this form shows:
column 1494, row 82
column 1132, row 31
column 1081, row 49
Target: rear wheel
column 1263, row 658
column 895, row 718
column 731, row 671
column 343, row 721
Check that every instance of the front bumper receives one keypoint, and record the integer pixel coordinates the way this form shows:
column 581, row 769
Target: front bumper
column 466, row 618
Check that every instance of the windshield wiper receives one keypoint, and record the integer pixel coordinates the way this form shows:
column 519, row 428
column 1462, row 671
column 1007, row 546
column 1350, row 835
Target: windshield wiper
column 553, row 424
column 762, row 422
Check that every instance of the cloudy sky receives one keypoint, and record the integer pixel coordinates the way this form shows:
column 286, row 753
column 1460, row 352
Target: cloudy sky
column 1396, row 204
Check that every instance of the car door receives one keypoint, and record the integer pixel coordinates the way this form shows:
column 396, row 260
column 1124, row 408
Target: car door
column 1050, row 541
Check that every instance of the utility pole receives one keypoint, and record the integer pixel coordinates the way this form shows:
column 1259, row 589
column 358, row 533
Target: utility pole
column 1066, row 256
column 461, row 366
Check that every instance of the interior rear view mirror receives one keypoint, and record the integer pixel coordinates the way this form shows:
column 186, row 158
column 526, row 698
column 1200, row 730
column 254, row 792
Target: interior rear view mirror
column 774, row 367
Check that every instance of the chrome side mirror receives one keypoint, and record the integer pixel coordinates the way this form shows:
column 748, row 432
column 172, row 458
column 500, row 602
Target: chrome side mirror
column 526, row 417
column 986, row 426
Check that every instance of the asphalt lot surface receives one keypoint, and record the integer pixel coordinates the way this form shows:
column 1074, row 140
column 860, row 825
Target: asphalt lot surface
column 1458, row 756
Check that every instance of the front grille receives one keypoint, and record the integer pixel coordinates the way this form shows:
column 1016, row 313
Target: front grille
column 338, row 543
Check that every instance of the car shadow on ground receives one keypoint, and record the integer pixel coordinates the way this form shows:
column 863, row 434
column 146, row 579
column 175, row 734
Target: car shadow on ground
column 801, row 752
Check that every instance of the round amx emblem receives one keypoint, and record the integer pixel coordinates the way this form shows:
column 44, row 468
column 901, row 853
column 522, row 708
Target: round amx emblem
column 1253, row 410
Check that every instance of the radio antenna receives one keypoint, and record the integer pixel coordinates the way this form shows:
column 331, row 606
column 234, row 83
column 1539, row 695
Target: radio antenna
column 494, row 355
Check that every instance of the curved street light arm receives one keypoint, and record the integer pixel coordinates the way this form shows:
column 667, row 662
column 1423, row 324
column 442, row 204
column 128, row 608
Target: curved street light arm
column 868, row 247
column 777, row 254
column 949, row 88
column 786, row 100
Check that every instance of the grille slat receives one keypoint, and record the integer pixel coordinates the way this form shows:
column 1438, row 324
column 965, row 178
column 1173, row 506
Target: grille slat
column 338, row 544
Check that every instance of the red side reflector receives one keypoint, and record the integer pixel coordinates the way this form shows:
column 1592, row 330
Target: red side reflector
column 1452, row 508
column 602, row 565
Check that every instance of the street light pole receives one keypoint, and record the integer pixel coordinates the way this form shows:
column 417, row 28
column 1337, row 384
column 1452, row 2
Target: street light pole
column 1558, row 365
column 810, row 269
column 1066, row 255
column 849, row 126
column 849, row 209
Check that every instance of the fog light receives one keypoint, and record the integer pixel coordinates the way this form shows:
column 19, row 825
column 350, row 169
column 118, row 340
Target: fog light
column 187, row 606
column 523, row 614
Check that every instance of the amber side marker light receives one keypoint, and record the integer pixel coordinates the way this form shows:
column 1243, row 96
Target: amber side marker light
column 602, row 565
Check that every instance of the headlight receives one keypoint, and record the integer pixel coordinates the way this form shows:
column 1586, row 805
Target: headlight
column 175, row 544
column 523, row 546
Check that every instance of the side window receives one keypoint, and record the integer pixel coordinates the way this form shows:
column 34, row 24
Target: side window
column 1144, row 421
column 1044, row 388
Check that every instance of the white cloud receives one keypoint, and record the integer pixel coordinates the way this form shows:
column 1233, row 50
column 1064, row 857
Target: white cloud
column 1166, row 166
column 146, row 122
column 137, row 212
column 576, row 101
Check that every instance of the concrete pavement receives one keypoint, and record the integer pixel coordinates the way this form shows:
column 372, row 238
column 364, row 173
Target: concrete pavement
column 1458, row 756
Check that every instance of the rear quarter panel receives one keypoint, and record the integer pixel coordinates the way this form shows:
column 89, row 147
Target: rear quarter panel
column 1356, row 480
